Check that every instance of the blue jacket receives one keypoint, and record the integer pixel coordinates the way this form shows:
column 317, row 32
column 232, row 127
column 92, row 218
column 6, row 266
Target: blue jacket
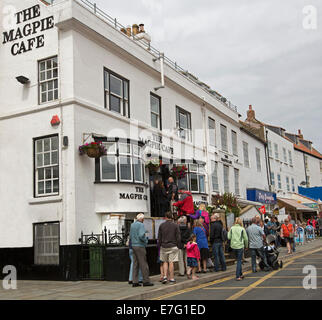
column 202, row 240
column 137, row 235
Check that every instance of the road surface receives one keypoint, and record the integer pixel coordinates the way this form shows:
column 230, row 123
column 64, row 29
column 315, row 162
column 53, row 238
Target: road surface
column 284, row 284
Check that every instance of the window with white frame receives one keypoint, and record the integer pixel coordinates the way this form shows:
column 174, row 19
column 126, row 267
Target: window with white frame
column 214, row 176
column 321, row 166
column 122, row 163
column 223, row 134
column 288, row 184
column 195, row 177
column 270, row 151
column 273, row 178
column 290, row 157
column 46, row 245
column 212, row 132
column 48, row 80
column 276, row 151
column 226, row 178
column 234, row 142
column 279, row 181
column 116, row 93
column 285, row 155
column 246, row 156
column 236, row 174
column 258, row 159
column 155, row 102
column 293, row 184
column 183, row 123
column 46, row 166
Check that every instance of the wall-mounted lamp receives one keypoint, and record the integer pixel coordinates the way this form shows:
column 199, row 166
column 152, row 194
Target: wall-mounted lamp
column 22, row 79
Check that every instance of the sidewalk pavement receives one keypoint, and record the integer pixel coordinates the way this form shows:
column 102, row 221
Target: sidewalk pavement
column 102, row 290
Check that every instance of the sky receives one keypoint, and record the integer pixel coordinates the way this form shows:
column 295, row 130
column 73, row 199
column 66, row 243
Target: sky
column 258, row 52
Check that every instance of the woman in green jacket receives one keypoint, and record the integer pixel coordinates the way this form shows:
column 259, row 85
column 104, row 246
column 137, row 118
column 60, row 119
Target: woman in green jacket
column 238, row 242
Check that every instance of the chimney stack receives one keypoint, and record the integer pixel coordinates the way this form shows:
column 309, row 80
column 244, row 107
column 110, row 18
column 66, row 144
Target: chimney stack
column 250, row 114
column 300, row 135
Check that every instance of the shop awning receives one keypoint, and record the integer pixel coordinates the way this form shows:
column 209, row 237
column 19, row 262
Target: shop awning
column 244, row 202
column 295, row 205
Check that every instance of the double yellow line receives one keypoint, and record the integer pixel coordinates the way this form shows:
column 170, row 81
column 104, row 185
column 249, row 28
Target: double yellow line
column 243, row 291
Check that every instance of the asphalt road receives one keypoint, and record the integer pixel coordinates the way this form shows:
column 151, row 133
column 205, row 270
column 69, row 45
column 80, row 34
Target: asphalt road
column 284, row 284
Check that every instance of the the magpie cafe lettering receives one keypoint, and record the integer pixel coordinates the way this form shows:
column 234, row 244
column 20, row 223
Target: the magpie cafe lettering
column 31, row 29
column 138, row 195
column 157, row 143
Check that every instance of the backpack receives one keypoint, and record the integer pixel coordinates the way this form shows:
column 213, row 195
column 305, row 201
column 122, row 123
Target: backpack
column 224, row 235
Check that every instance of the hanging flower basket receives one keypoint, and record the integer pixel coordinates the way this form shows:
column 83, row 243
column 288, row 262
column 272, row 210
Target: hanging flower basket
column 179, row 171
column 153, row 165
column 93, row 150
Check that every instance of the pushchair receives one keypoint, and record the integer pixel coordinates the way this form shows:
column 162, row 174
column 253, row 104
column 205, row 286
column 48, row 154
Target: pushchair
column 271, row 254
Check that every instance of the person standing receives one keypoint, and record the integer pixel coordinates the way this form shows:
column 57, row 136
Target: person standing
column 193, row 255
column 320, row 224
column 170, row 240
column 256, row 245
column 293, row 223
column 287, row 233
column 238, row 242
column 163, row 199
column 202, row 241
column 217, row 240
column 185, row 237
column 172, row 192
column 139, row 242
column 185, row 204
column 156, row 194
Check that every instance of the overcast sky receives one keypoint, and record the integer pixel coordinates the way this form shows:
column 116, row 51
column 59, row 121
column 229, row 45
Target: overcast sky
column 252, row 52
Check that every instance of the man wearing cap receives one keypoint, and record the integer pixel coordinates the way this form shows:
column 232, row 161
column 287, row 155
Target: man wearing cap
column 139, row 242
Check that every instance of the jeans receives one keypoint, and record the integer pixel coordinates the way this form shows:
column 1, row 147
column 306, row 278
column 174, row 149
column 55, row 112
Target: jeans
column 239, row 257
column 320, row 232
column 218, row 252
column 131, row 268
column 293, row 245
column 260, row 252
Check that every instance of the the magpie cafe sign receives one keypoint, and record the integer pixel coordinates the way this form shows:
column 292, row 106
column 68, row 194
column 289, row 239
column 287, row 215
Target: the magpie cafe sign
column 26, row 37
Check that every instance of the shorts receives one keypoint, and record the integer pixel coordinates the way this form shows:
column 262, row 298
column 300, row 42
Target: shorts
column 288, row 240
column 169, row 254
column 159, row 261
column 192, row 262
column 204, row 253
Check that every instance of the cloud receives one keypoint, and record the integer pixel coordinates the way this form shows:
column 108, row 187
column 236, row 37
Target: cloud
column 252, row 52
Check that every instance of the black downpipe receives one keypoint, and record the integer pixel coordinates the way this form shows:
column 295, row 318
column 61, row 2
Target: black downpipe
column 268, row 167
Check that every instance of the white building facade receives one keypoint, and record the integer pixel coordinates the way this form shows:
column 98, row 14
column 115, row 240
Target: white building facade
column 67, row 78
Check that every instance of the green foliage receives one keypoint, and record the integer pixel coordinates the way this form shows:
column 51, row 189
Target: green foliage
column 227, row 202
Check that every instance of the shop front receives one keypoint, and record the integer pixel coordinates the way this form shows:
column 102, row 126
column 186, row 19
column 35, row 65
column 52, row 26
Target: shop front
column 297, row 210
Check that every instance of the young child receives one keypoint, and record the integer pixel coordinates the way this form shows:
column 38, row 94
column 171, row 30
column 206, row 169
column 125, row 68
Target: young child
column 193, row 255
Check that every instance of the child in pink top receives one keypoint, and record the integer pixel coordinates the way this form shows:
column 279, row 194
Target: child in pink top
column 193, row 255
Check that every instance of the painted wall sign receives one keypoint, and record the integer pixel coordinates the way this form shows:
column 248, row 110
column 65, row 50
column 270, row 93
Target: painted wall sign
column 29, row 30
column 261, row 196
column 156, row 142
column 138, row 195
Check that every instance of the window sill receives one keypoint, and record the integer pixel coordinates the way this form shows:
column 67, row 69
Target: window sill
column 118, row 182
column 45, row 200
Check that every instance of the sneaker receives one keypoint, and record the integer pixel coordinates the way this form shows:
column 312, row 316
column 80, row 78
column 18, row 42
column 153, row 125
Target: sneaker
column 135, row 285
column 165, row 280
column 148, row 284
column 172, row 281
column 130, row 282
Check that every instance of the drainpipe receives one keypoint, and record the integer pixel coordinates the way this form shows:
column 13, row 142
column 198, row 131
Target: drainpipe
column 161, row 58
column 306, row 180
column 268, row 161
